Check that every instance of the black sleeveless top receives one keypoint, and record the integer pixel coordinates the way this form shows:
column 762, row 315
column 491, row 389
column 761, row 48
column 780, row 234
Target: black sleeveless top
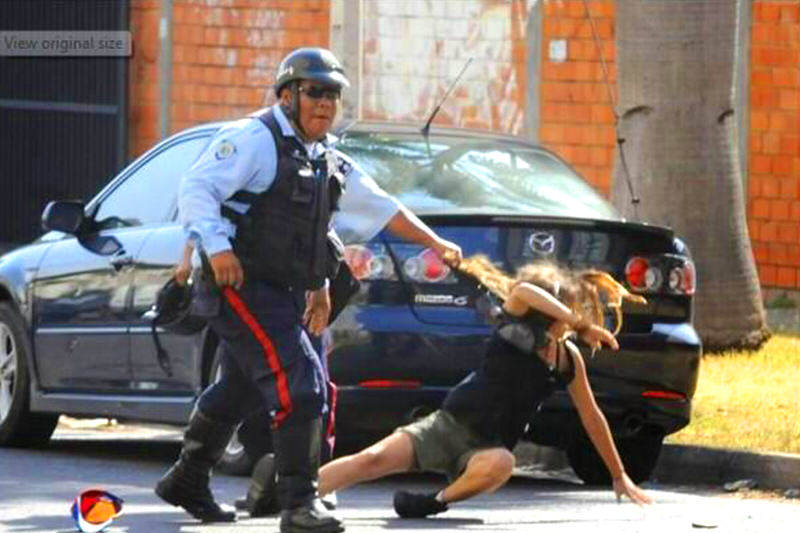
column 499, row 399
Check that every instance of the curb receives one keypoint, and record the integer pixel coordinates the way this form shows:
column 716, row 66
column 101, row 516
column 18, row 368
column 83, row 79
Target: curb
column 680, row 464
column 716, row 466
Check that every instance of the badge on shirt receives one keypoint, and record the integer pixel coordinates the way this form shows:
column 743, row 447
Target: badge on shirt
column 225, row 149
column 345, row 167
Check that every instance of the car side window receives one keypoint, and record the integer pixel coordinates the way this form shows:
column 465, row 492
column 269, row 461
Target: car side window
column 148, row 195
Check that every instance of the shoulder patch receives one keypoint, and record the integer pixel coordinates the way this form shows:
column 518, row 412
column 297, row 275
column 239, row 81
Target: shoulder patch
column 225, row 149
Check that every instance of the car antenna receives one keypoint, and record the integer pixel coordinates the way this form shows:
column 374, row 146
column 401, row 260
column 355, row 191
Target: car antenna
column 426, row 129
column 341, row 132
column 635, row 200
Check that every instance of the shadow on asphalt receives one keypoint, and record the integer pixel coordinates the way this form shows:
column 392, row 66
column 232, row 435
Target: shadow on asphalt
column 164, row 452
column 426, row 523
column 154, row 451
column 161, row 522
column 544, row 483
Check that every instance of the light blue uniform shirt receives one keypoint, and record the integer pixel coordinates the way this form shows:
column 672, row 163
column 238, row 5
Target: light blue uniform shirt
column 242, row 156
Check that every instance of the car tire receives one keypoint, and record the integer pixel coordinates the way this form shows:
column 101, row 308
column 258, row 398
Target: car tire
column 18, row 425
column 235, row 461
column 639, row 454
column 249, row 442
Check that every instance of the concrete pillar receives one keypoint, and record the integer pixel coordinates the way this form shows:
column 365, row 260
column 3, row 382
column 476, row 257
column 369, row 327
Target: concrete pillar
column 346, row 43
column 165, row 68
column 533, row 33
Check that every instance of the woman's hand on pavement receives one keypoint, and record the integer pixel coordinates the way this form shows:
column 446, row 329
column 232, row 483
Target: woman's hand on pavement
column 623, row 486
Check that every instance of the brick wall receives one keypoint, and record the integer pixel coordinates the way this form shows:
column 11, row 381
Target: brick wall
column 225, row 53
column 577, row 119
column 143, row 77
column 224, row 57
column 774, row 185
column 413, row 50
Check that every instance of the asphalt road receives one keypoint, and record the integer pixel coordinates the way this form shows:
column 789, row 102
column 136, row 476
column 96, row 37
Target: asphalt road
column 37, row 488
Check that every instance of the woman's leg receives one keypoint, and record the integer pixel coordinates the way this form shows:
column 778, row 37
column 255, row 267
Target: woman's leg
column 393, row 454
column 486, row 471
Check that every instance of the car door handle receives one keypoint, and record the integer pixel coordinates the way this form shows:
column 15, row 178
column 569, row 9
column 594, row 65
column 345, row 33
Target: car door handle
column 121, row 261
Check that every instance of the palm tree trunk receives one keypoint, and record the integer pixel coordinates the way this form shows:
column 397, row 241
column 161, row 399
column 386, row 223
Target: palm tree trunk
column 676, row 73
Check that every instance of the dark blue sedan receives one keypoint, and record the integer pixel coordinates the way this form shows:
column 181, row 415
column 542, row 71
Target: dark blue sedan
column 73, row 341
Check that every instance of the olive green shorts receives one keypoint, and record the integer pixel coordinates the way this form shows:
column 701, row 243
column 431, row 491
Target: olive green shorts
column 443, row 445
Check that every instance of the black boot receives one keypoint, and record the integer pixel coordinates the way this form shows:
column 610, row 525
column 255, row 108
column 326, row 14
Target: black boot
column 186, row 483
column 262, row 497
column 413, row 505
column 297, row 461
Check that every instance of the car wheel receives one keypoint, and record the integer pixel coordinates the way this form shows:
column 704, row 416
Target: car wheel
column 248, row 443
column 18, row 426
column 639, row 454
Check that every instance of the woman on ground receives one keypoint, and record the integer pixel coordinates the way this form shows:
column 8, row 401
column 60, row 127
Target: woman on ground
column 471, row 436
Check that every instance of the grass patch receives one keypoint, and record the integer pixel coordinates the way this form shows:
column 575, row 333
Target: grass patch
column 748, row 400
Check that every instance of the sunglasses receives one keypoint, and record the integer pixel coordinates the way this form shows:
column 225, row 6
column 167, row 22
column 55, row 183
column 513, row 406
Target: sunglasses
column 316, row 92
column 94, row 509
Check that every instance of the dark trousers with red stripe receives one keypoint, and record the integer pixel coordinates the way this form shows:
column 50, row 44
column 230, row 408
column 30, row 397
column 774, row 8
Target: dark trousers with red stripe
column 254, row 434
column 267, row 360
column 295, row 389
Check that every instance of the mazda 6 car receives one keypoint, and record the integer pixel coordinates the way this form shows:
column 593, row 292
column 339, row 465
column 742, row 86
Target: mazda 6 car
column 73, row 340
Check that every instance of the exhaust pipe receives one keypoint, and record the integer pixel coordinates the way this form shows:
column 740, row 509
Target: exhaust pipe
column 420, row 411
column 632, row 424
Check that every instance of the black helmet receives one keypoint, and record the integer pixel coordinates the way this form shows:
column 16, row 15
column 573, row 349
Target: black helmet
column 316, row 64
column 173, row 311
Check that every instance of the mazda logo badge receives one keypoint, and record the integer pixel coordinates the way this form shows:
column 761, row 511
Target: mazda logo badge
column 542, row 243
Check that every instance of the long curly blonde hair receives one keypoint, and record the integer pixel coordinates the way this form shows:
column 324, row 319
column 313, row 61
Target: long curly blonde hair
column 586, row 292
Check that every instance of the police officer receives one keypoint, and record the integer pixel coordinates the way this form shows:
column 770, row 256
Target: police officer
column 259, row 202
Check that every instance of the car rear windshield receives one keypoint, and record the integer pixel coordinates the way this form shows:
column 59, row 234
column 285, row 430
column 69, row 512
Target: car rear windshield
column 464, row 175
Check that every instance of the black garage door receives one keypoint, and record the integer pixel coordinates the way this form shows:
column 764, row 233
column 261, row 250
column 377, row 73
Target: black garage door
column 62, row 119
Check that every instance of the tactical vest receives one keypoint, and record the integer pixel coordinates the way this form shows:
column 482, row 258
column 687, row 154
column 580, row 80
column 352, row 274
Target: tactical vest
column 283, row 238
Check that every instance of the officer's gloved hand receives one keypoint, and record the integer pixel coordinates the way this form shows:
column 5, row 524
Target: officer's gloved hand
column 318, row 310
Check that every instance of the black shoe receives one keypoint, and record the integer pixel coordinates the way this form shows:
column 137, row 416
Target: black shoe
column 195, row 498
column 330, row 501
column 412, row 505
column 257, row 509
column 310, row 518
column 262, row 497
column 186, row 484
column 240, row 504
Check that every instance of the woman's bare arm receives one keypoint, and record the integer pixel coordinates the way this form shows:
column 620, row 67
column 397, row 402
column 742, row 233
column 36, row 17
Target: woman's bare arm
column 596, row 426
column 527, row 295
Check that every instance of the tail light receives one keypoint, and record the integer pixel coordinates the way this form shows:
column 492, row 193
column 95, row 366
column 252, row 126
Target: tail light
column 682, row 278
column 367, row 264
column 426, row 267
column 390, row 384
column 668, row 273
column 664, row 395
column 373, row 262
